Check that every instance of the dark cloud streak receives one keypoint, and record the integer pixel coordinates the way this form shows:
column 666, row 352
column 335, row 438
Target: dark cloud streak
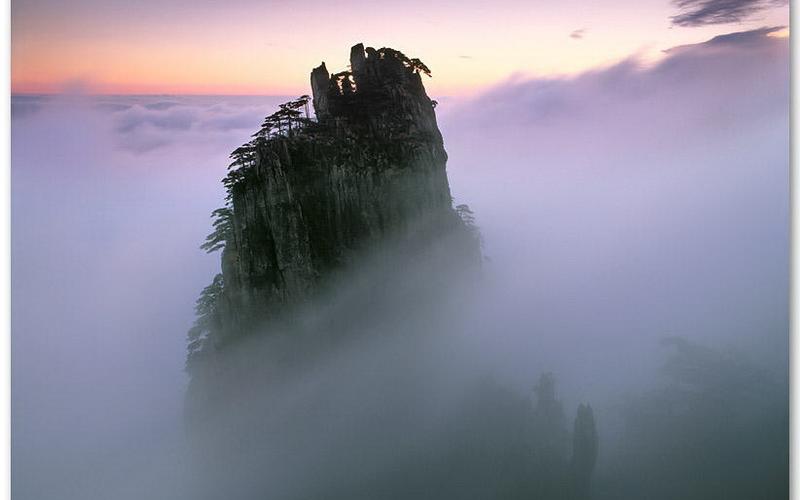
column 704, row 12
column 578, row 34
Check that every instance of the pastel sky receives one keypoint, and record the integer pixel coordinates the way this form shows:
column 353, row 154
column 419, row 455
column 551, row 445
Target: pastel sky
column 269, row 47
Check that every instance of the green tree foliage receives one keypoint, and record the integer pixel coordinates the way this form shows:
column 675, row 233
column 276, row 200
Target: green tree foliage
column 716, row 426
column 206, row 310
column 549, row 422
column 467, row 216
column 415, row 64
column 223, row 228
column 584, row 450
column 287, row 120
column 290, row 118
column 419, row 66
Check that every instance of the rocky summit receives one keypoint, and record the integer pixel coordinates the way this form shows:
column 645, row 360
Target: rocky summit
column 328, row 358
column 307, row 196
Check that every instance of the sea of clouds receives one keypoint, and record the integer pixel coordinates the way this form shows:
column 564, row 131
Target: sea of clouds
column 617, row 206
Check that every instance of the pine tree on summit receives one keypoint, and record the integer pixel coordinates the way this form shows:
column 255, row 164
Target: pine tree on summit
column 584, row 451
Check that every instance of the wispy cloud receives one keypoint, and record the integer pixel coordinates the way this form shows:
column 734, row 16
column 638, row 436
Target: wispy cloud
column 757, row 38
column 670, row 162
column 704, row 12
column 748, row 61
column 578, row 34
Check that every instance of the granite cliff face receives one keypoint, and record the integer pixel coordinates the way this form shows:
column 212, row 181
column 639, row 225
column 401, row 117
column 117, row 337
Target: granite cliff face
column 324, row 361
column 306, row 197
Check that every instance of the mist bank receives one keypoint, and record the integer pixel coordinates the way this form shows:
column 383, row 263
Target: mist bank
column 375, row 389
column 617, row 208
column 105, row 272
column 635, row 202
column 640, row 202
column 642, row 224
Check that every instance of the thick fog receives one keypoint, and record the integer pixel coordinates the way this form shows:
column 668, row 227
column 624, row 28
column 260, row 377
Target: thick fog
column 111, row 197
column 635, row 202
column 635, row 222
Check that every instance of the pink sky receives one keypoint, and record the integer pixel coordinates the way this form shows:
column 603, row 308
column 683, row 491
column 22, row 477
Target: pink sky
column 269, row 47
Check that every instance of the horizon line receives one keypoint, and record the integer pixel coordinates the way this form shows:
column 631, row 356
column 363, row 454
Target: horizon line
column 153, row 94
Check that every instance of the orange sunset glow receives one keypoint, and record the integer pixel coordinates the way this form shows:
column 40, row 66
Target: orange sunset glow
column 267, row 47
column 400, row 250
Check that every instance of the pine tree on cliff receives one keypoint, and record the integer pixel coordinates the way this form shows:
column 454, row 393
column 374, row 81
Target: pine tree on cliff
column 305, row 197
column 549, row 423
column 584, row 451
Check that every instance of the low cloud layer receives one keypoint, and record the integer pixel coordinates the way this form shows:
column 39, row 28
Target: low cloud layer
column 652, row 198
column 618, row 206
column 144, row 124
column 704, row 12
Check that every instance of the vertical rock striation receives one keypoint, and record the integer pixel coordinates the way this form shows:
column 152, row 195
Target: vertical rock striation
column 307, row 198
column 313, row 200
